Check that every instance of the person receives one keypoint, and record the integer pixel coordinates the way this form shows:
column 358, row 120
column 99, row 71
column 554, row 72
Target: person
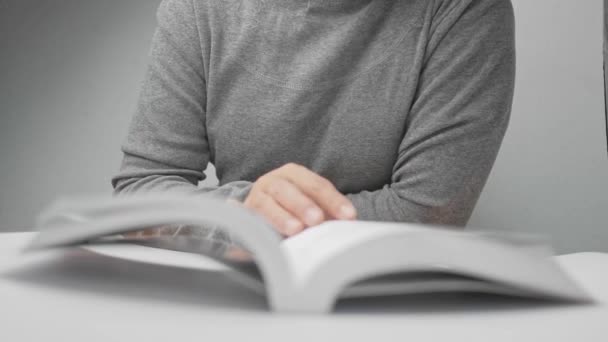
column 313, row 110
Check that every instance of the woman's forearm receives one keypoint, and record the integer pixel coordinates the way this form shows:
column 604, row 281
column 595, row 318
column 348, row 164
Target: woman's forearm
column 456, row 124
column 139, row 175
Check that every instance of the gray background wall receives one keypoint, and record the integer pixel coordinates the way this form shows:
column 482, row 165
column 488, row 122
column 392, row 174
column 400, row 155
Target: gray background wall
column 70, row 72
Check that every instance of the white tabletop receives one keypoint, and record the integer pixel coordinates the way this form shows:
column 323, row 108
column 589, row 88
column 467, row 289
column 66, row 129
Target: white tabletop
column 79, row 295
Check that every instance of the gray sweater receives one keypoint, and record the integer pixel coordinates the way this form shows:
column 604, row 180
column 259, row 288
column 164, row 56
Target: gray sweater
column 401, row 104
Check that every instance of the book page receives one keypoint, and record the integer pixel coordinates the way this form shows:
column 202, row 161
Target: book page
column 335, row 255
column 311, row 248
column 77, row 222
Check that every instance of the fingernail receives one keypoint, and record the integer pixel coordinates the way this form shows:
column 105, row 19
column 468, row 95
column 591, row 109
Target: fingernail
column 313, row 216
column 292, row 226
column 347, row 212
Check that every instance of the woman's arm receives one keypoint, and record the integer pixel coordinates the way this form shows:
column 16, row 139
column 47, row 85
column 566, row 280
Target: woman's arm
column 166, row 148
column 458, row 119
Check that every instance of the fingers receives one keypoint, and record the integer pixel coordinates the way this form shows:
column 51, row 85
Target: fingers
column 320, row 190
column 280, row 218
column 295, row 201
column 292, row 198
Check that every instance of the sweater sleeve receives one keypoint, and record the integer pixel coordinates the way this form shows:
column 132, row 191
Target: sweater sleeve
column 457, row 120
column 166, row 148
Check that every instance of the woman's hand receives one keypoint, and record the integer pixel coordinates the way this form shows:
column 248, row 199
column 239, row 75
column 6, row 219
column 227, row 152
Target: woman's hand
column 293, row 198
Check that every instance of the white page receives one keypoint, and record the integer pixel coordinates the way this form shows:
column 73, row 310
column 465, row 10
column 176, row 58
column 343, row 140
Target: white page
column 157, row 256
column 314, row 246
column 508, row 261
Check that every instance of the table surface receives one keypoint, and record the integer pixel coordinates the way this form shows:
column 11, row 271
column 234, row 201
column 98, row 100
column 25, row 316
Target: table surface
column 79, row 295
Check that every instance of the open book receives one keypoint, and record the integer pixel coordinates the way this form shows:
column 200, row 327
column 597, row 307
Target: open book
column 337, row 259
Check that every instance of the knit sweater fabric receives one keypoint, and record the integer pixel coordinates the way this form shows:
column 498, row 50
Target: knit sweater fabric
column 402, row 105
